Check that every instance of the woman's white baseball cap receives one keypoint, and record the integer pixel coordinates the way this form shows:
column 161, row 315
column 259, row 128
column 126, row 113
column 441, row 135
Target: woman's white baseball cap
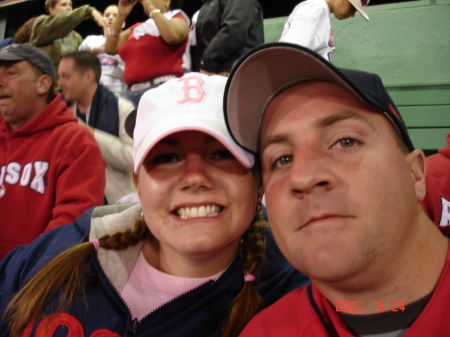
column 193, row 102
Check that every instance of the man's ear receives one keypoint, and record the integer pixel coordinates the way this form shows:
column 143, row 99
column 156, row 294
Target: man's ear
column 44, row 82
column 417, row 165
column 89, row 75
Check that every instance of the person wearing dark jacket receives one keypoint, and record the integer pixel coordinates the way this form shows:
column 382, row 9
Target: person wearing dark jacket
column 104, row 114
column 225, row 31
column 188, row 260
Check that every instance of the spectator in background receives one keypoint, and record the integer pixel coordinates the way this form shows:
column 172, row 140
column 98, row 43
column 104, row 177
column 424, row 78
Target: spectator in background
column 152, row 50
column 112, row 65
column 437, row 199
column 226, row 30
column 104, row 114
column 55, row 34
column 309, row 25
column 187, row 56
column 23, row 34
column 51, row 169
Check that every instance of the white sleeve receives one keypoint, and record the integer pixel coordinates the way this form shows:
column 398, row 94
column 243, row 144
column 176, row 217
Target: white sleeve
column 303, row 24
column 117, row 151
column 85, row 44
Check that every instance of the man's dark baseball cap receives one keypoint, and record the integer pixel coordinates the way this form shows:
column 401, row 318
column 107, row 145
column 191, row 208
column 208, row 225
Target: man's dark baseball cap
column 28, row 52
column 267, row 70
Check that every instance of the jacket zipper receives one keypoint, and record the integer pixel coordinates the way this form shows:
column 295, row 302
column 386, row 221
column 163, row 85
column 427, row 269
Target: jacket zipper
column 131, row 328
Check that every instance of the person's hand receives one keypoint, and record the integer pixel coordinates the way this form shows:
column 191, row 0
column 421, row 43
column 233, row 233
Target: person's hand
column 125, row 7
column 98, row 18
column 98, row 49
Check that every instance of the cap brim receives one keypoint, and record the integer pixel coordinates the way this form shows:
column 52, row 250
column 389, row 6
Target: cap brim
column 187, row 123
column 10, row 57
column 359, row 9
column 261, row 75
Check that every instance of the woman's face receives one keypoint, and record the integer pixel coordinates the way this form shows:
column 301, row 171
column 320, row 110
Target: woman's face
column 197, row 201
column 110, row 14
column 61, row 6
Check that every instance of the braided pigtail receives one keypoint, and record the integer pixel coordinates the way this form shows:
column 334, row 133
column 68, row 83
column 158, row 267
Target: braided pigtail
column 248, row 302
column 65, row 274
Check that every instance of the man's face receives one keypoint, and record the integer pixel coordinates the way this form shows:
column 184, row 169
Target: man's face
column 71, row 81
column 343, row 9
column 341, row 196
column 19, row 84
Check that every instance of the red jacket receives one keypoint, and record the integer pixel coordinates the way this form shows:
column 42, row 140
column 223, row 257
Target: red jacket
column 437, row 200
column 305, row 312
column 51, row 171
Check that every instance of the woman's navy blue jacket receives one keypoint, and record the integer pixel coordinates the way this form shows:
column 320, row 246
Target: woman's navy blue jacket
column 103, row 313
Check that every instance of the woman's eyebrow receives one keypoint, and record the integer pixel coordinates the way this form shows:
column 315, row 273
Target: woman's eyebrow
column 168, row 141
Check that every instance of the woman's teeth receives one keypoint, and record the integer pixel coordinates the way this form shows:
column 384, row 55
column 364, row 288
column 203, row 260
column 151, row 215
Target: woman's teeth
column 198, row 212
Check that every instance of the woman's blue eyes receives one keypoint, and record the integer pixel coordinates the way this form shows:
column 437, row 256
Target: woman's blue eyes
column 167, row 158
column 223, row 154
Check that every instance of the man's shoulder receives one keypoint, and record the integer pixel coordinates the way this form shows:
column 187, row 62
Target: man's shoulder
column 312, row 7
column 438, row 164
column 290, row 315
column 71, row 129
column 73, row 139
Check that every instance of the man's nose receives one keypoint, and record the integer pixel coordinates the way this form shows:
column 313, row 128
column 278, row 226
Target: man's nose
column 311, row 171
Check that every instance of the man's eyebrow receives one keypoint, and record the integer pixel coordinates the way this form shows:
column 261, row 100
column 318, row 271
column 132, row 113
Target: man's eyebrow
column 341, row 116
column 321, row 123
column 273, row 140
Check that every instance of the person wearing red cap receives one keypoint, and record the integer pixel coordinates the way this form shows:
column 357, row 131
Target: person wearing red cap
column 309, row 24
column 342, row 185
column 437, row 199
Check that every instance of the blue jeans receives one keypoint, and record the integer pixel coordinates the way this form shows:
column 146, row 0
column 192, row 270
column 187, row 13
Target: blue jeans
column 135, row 96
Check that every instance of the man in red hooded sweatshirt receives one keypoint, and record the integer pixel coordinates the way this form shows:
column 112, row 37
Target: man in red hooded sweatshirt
column 51, row 169
column 437, row 199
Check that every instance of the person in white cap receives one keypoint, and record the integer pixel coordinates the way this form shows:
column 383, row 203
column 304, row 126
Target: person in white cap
column 309, row 24
column 172, row 265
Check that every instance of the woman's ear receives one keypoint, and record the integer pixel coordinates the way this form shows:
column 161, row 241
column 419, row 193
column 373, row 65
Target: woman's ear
column 417, row 165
